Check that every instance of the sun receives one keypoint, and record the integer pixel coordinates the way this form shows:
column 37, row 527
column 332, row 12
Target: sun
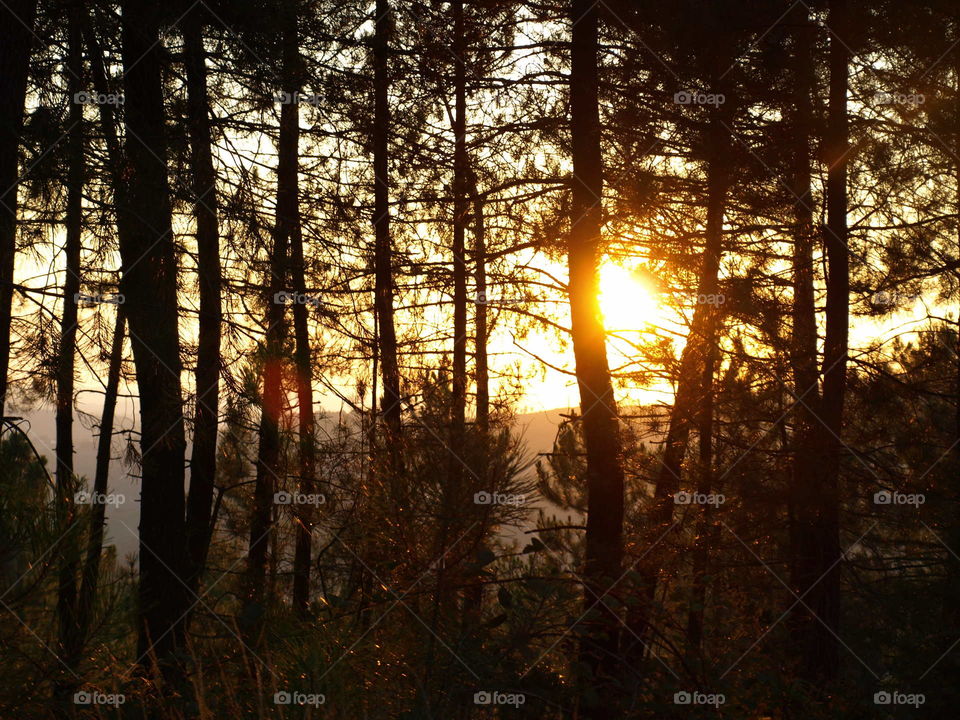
column 628, row 299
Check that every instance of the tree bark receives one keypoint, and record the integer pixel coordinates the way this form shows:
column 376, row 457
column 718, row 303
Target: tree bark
column 383, row 264
column 695, row 380
column 65, row 481
column 288, row 200
column 203, row 462
column 94, row 549
column 604, row 535
column 15, row 41
column 149, row 284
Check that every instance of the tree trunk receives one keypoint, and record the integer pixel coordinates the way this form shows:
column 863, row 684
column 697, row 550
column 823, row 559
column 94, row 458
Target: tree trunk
column 288, row 204
column 91, row 566
column 383, row 265
column 149, row 284
column 65, row 481
column 694, row 384
column 203, row 463
column 815, row 547
column 268, row 454
column 15, row 42
column 823, row 651
column 604, row 535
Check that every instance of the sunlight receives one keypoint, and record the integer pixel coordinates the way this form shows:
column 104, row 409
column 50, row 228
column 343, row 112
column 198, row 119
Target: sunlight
column 628, row 300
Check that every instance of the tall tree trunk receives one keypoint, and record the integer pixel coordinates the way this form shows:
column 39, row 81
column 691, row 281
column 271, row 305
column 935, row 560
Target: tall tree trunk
column 15, row 40
column 461, row 217
column 91, row 566
column 288, row 200
column 481, row 363
column 694, row 384
column 951, row 597
column 65, row 481
column 707, row 530
column 823, row 650
column 815, row 547
column 604, row 535
column 149, row 284
column 203, row 463
column 268, row 454
column 383, row 263
column 719, row 174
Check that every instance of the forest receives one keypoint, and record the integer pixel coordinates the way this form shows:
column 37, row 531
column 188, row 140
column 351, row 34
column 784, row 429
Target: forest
column 465, row 359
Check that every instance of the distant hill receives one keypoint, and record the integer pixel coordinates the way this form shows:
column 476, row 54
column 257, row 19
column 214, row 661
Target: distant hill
column 538, row 430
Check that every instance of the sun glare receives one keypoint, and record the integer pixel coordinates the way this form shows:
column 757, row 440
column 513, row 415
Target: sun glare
column 627, row 299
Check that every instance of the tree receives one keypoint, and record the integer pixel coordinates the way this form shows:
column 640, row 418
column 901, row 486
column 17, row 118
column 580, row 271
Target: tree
column 604, row 539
